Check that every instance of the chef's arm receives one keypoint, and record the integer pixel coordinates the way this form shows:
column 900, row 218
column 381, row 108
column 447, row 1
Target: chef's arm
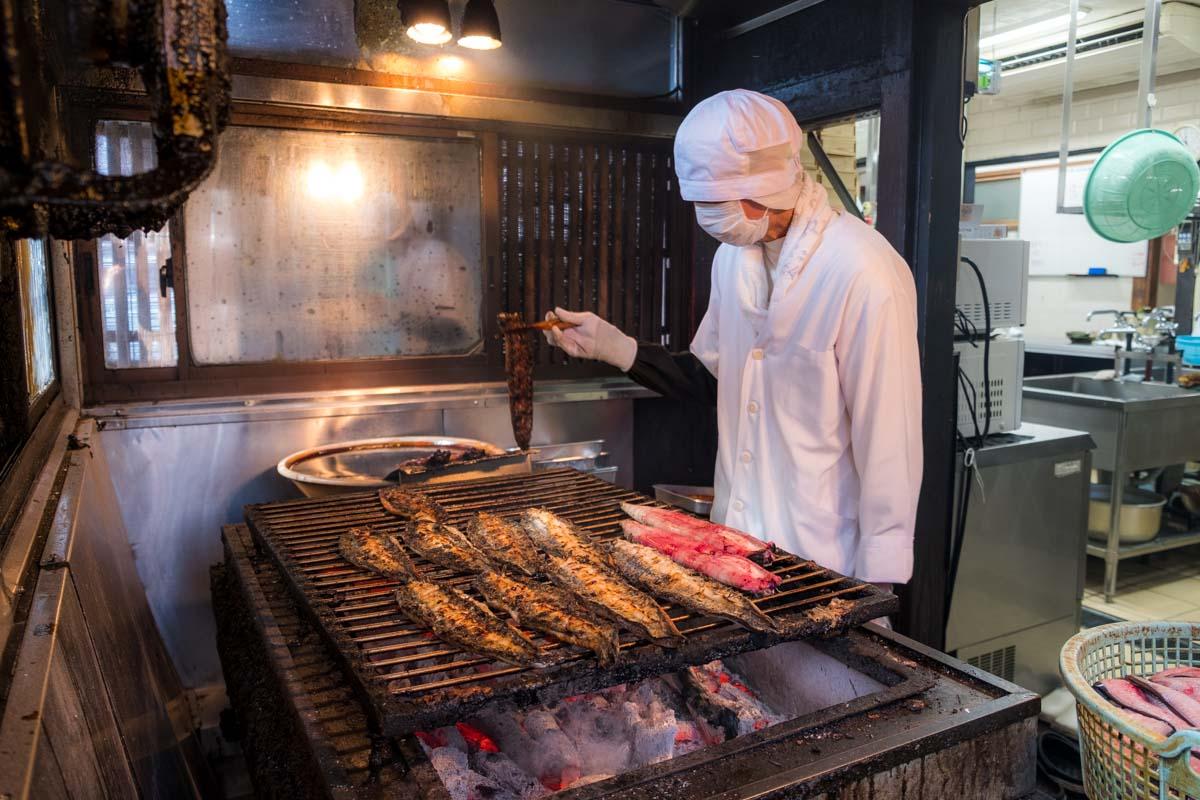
column 879, row 371
column 679, row 376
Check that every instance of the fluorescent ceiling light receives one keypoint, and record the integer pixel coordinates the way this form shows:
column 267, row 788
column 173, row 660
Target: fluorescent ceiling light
column 1047, row 25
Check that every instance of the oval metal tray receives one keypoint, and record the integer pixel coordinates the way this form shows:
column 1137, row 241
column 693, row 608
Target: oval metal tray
column 363, row 464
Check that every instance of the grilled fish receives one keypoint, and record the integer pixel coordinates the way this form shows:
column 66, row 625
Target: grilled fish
column 456, row 618
column 445, row 546
column 718, row 537
column 736, row 571
column 551, row 610
column 373, row 550
column 558, row 537
column 607, row 594
column 503, row 542
column 411, row 505
column 658, row 574
column 518, row 368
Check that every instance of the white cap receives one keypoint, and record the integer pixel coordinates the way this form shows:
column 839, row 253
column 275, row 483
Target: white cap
column 737, row 145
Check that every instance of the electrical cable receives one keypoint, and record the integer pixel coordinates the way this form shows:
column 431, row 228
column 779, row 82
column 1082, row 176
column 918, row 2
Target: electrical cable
column 969, row 453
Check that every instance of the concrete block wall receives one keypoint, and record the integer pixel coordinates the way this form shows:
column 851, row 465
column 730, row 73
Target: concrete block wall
column 1001, row 127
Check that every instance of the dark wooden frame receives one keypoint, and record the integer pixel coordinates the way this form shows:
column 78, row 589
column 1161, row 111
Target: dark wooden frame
column 904, row 58
column 21, row 415
column 188, row 379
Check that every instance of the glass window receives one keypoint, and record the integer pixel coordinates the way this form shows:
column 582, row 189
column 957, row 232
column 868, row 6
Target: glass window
column 1001, row 200
column 34, row 268
column 310, row 245
column 137, row 307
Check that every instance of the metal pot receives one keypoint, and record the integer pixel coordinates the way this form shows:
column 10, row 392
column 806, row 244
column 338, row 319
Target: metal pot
column 1140, row 519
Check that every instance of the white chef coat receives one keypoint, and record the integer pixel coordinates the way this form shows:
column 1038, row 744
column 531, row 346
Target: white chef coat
column 818, row 395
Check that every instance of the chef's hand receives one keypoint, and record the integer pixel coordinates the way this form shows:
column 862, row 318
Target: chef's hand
column 593, row 338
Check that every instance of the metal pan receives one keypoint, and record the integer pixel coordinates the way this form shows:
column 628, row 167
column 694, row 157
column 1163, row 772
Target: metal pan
column 689, row 498
column 364, row 463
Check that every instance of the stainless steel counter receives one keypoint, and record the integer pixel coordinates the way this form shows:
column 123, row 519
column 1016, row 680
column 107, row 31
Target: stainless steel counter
column 1020, row 577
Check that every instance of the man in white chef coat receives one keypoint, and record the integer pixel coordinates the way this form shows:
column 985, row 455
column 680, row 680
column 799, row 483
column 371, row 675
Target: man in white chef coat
column 808, row 349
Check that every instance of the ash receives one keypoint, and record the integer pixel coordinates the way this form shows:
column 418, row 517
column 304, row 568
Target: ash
column 523, row 754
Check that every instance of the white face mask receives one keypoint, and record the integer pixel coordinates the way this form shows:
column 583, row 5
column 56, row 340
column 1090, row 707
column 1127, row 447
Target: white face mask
column 727, row 222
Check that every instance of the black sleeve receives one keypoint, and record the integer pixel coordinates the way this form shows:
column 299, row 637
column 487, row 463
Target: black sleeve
column 679, row 376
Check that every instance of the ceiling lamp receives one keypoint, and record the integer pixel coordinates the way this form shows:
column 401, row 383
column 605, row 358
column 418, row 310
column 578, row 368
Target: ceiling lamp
column 480, row 26
column 426, row 21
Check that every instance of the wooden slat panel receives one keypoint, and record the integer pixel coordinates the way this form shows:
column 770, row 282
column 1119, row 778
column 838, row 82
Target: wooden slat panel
column 680, row 276
column 529, row 219
column 646, row 269
column 629, row 263
column 603, row 268
column 658, row 233
column 575, row 291
column 590, row 225
column 545, row 241
column 616, row 313
column 591, row 153
column 511, row 233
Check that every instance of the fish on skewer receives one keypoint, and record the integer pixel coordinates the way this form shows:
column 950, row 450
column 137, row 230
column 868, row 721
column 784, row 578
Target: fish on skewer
column 373, row 550
column 551, row 610
column 559, row 537
column 658, row 574
column 736, row 571
column 518, row 369
column 445, row 546
column 504, row 542
column 457, row 619
column 718, row 537
column 411, row 505
column 606, row 593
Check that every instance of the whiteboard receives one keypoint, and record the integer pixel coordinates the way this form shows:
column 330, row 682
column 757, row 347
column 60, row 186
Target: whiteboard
column 1064, row 244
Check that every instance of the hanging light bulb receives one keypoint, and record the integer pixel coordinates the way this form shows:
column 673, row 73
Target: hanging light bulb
column 480, row 26
column 426, row 21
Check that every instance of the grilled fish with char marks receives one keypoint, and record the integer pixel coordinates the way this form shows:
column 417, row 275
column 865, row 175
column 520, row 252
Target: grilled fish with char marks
column 551, row 610
column 559, row 537
column 445, row 546
column 658, row 574
column 411, row 505
column 373, row 550
column 457, row 619
column 608, row 594
column 503, row 541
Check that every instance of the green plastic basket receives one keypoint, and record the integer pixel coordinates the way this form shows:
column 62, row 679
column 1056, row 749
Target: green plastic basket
column 1141, row 186
column 1121, row 761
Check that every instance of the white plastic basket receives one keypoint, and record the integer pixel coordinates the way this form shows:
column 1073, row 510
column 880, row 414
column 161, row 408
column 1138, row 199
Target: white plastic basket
column 1121, row 761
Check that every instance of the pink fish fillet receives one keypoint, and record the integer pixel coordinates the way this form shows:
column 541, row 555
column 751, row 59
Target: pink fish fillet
column 1128, row 695
column 730, row 540
column 1182, row 704
column 1189, row 686
column 731, row 570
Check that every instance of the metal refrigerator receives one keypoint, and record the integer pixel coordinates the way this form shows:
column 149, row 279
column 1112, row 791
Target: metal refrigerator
column 1018, row 594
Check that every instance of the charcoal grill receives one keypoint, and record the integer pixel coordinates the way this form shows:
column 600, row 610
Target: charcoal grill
column 410, row 683
column 306, row 735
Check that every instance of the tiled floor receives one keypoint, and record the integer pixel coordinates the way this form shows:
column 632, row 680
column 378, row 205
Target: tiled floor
column 1161, row 586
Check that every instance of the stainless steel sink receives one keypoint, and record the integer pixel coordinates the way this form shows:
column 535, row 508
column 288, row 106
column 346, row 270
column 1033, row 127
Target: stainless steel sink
column 1095, row 392
column 1135, row 426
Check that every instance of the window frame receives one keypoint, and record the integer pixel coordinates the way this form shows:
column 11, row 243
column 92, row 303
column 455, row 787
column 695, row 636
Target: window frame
column 22, row 416
column 189, row 379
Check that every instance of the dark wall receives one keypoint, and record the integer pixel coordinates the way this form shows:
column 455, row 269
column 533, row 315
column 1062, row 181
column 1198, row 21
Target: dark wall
column 904, row 58
column 817, row 61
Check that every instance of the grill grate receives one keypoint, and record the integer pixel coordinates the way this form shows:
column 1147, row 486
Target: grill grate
column 411, row 681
